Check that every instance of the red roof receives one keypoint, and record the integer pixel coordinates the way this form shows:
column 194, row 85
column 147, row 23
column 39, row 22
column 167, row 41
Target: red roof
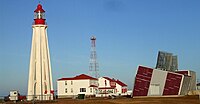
column 116, row 81
column 39, row 8
column 186, row 72
column 79, row 77
column 112, row 80
column 121, row 83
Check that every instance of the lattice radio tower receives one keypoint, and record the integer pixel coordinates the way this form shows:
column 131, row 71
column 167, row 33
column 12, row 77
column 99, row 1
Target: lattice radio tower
column 94, row 66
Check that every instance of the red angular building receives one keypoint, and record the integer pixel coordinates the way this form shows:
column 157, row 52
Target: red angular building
column 154, row 82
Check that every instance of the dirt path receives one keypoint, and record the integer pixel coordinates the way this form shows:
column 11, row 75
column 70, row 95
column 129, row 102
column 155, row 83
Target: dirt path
column 147, row 100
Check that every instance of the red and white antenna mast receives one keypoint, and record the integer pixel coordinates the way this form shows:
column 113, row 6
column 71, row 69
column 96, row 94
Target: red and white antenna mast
column 94, row 66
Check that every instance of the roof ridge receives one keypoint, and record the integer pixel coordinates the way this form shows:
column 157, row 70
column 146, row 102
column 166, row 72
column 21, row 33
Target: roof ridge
column 78, row 77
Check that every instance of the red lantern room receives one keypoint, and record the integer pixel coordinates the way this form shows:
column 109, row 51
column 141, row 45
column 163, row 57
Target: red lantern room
column 39, row 15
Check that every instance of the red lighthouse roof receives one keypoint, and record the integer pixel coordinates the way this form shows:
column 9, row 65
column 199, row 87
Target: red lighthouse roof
column 39, row 8
column 39, row 15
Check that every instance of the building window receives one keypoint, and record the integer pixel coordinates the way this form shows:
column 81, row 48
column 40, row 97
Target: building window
column 82, row 89
column 90, row 90
column 65, row 82
column 65, row 90
column 71, row 82
column 71, row 90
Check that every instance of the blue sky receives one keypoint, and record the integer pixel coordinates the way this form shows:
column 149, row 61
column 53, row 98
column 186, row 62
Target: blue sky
column 129, row 33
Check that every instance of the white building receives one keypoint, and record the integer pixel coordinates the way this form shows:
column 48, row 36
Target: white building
column 81, row 84
column 121, row 88
column 108, row 86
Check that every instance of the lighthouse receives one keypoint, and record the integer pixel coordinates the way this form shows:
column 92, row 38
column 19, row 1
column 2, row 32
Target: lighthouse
column 40, row 86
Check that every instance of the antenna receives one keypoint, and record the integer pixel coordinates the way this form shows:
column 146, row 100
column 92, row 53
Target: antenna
column 94, row 66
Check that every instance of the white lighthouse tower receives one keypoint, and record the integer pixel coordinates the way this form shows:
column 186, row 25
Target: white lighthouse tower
column 40, row 86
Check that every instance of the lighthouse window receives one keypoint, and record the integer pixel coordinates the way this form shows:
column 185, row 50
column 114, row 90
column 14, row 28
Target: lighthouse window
column 39, row 15
column 43, row 15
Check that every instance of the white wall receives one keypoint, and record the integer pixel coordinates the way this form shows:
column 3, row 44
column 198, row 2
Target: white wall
column 73, row 87
column 119, row 89
column 184, row 87
column 61, row 87
column 102, row 85
column 193, row 80
column 157, row 82
column 102, row 82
